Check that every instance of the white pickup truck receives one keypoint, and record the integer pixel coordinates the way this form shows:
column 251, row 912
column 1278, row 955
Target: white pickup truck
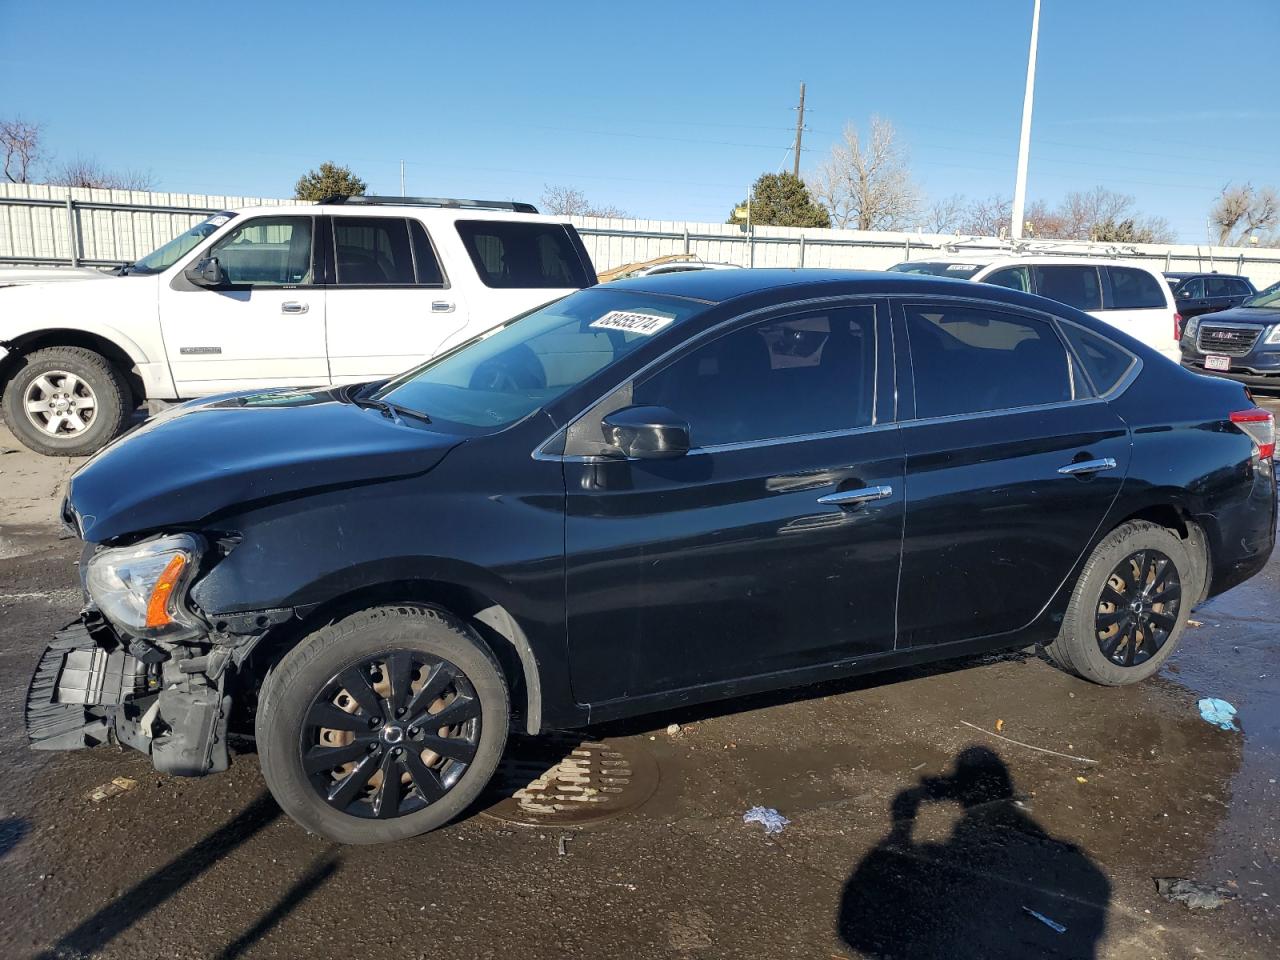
column 345, row 291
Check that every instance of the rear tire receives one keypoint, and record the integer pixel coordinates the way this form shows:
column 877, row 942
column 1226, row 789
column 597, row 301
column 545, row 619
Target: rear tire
column 321, row 678
column 1130, row 606
column 66, row 401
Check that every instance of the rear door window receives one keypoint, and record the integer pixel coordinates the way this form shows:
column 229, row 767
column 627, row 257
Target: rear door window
column 1076, row 286
column 1134, row 289
column 1239, row 288
column 970, row 359
column 523, row 255
column 372, row 251
column 1105, row 362
column 1220, row 287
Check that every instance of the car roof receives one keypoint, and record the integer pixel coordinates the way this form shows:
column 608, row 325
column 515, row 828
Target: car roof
column 1012, row 259
column 396, row 210
column 719, row 286
column 1180, row 275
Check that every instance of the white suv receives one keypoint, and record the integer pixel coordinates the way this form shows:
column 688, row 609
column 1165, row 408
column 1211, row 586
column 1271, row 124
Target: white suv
column 1130, row 297
column 345, row 291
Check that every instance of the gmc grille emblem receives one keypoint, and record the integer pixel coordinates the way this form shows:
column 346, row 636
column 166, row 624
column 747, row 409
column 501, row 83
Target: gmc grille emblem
column 1221, row 335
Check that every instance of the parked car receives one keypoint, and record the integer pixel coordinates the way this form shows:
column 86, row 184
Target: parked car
column 648, row 494
column 679, row 266
column 1200, row 293
column 1242, row 344
column 298, row 295
column 1131, row 297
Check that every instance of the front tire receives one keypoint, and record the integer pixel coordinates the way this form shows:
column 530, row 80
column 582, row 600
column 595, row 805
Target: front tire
column 382, row 725
column 66, row 401
column 1130, row 605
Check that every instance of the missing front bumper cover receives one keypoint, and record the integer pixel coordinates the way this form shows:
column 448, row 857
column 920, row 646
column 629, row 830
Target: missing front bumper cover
column 88, row 685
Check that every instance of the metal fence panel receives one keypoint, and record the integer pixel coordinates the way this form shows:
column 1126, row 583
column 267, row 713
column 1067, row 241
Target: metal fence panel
column 104, row 227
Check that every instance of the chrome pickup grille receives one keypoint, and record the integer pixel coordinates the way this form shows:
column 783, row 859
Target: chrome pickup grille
column 1228, row 341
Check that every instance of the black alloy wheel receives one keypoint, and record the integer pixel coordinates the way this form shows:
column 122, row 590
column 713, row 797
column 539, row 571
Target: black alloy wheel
column 391, row 734
column 1138, row 608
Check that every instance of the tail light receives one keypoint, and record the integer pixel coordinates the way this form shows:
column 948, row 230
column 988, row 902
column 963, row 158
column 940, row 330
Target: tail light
column 1260, row 425
column 1177, row 326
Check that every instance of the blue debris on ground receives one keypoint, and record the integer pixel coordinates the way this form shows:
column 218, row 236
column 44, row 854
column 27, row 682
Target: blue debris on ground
column 770, row 819
column 1219, row 713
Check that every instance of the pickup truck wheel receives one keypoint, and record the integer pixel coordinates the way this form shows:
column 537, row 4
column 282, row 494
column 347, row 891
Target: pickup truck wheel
column 383, row 725
column 1130, row 605
column 65, row 401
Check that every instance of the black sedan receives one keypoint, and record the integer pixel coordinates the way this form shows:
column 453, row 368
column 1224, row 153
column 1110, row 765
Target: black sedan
column 651, row 493
column 1242, row 344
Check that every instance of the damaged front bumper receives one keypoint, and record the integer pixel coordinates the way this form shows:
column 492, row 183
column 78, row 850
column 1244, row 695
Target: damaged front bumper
column 94, row 686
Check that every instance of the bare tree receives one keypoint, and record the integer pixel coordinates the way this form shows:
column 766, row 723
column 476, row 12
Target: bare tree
column 944, row 215
column 20, row 142
column 571, row 202
column 987, row 218
column 1082, row 210
column 1240, row 212
column 87, row 172
column 867, row 184
column 1097, row 214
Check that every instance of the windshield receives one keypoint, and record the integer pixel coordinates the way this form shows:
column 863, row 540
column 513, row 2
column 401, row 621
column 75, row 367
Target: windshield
column 179, row 246
column 1269, row 297
column 509, row 372
column 959, row 271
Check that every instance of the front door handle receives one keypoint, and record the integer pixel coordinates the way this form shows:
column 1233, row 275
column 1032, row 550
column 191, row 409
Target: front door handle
column 294, row 306
column 441, row 306
column 851, row 498
column 1088, row 466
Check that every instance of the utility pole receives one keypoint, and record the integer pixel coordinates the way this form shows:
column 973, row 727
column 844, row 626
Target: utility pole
column 1024, row 143
column 795, row 163
column 402, row 178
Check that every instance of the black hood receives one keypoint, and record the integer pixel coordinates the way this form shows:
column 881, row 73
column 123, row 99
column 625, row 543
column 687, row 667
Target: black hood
column 203, row 457
column 1262, row 316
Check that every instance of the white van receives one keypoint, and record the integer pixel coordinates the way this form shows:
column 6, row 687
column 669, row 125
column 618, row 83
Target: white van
column 347, row 291
column 1130, row 297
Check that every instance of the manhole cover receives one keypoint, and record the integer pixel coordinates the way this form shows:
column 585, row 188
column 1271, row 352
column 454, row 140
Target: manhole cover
column 565, row 780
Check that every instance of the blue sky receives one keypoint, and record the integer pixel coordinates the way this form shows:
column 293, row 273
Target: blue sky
column 668, row 110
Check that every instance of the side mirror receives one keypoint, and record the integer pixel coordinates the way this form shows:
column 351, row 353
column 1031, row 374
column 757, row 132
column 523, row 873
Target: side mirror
column 647, row 433
column 1184, row 294
column 207, row 273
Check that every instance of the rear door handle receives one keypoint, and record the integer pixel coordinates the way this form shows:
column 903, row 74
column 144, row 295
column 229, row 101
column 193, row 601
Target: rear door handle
column 1088, row 466
column 851, row 498
column 294, row 306
column 441, row 306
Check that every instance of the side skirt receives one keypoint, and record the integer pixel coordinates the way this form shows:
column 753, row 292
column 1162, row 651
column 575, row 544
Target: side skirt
column 806, row 676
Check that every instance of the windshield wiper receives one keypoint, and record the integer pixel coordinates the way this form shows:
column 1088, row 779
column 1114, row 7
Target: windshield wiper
column 392, row 411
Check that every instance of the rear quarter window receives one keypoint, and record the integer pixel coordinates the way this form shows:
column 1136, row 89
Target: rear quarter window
column 509, row 254
column 1104, row 362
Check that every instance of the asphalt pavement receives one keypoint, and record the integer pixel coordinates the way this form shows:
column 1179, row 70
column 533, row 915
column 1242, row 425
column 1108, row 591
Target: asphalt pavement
column 967, row 809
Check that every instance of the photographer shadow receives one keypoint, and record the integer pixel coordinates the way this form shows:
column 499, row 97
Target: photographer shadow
column 969, row 896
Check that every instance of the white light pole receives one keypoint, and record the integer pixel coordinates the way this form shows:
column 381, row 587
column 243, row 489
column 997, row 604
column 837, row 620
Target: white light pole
column 1024, row 142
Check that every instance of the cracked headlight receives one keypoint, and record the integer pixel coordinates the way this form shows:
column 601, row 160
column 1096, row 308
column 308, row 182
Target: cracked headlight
column 142, row 588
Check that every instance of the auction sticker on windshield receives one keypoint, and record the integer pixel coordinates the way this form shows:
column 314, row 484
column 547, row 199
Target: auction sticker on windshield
column 646, row 324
